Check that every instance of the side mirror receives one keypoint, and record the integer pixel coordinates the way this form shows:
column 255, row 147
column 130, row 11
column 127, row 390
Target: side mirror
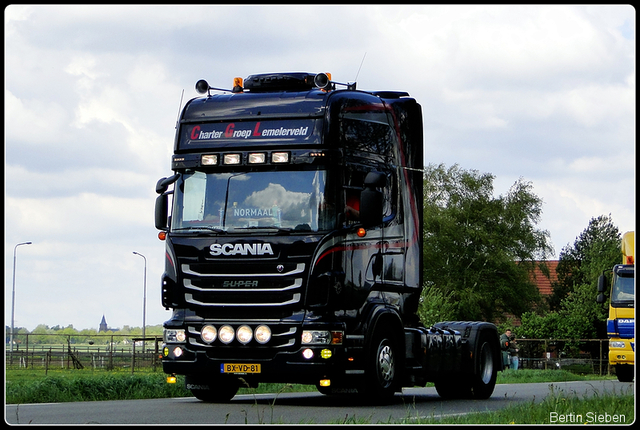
column 372, row 200
column 602, row 283
column 163, row 183
column 162, row 212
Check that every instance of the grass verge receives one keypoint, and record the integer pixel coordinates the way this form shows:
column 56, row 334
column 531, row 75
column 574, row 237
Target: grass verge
column 557, row 408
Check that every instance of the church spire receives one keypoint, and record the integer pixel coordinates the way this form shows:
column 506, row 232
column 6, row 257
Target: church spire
column 103, row 324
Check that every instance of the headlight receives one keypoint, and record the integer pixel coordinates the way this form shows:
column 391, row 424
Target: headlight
column 171, row 335
column 209, row 160
column 280, row 157
column 616, row 344
column 244, row 334
column 232, row 158
column 226, row 334
column 257, row 158
column 263, row 334
column 321, row 337
column 208, row 333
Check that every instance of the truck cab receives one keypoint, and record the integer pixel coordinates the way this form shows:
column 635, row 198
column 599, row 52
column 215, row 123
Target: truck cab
column 293, row 245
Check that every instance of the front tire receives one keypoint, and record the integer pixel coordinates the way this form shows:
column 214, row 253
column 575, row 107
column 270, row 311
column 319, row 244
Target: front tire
column 624, row 372
column 382, row 371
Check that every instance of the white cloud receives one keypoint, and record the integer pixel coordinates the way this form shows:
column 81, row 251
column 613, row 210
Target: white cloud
column 92, row 94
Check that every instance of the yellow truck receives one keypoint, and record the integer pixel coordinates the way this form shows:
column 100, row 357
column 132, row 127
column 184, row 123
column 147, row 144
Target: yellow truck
column 621, row 321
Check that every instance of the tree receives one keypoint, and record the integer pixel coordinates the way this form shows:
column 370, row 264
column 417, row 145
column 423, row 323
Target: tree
column 574, row 311
column 596, row 249
column 479, row 249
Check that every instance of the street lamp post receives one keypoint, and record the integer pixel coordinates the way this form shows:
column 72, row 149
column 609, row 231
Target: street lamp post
column 13, row 296
column 144, row 300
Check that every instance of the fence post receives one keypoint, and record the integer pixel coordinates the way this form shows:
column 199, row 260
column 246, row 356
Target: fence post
column 26, row 357
column 133, row 355
column 46, row 362
column 546, row 359
column 111, row 346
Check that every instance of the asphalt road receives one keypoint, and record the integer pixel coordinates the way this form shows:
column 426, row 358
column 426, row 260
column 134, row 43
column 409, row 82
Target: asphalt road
column 295, row 408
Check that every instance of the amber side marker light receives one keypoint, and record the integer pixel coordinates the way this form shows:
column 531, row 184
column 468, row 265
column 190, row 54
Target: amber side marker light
column 162, row 235
column 362, row 232
column 171, row 379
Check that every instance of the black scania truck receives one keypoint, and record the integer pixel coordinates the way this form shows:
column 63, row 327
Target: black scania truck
column 293, row 246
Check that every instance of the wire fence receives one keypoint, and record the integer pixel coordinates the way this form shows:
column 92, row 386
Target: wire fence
column 109, row 352
column 587, row 356
column 122, row 352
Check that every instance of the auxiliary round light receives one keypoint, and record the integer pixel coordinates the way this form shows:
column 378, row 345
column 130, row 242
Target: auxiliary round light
column 177, row 351
column 262, row 334
column 325, row 353
column 208, row 333
column 226, row 334
column 202, row 86
column 307, row 353
column 244, row 334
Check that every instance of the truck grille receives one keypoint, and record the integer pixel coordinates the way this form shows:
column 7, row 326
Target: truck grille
column 216, row 289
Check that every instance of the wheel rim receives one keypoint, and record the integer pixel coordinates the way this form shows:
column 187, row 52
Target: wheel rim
column 386, row 364
column 486, row 364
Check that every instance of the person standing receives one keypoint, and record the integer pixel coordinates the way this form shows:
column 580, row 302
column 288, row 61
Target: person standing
column 513, row 352
column 505, row 341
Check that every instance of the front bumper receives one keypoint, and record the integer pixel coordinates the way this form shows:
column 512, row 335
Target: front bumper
column 621, row 351
column 284, row 358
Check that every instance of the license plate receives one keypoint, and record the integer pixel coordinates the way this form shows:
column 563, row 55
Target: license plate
column 239, row 368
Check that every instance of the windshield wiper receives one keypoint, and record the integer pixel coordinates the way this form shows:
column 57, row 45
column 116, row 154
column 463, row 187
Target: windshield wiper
column 201, row 227
column 280, row 230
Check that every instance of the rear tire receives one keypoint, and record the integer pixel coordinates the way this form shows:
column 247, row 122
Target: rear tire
column 484, row 379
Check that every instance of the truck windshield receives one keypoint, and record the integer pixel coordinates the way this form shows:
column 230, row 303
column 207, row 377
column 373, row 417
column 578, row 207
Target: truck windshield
column 623, row 289
column 223, row 202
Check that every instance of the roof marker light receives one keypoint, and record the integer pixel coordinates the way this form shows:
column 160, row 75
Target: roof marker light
column 237, row 85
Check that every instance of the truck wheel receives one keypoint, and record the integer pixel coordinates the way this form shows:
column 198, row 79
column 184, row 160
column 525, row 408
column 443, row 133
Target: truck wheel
column 484, row 378
column 381, row 369
column 624, row 372
column 218, row 390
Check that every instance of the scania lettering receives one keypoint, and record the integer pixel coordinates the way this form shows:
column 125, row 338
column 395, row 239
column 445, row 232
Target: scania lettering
column 621, row 321
column 241, row 249
column 293, row 231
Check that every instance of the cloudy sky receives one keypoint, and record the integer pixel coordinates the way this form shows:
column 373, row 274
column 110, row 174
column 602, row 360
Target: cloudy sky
column 546, row 93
